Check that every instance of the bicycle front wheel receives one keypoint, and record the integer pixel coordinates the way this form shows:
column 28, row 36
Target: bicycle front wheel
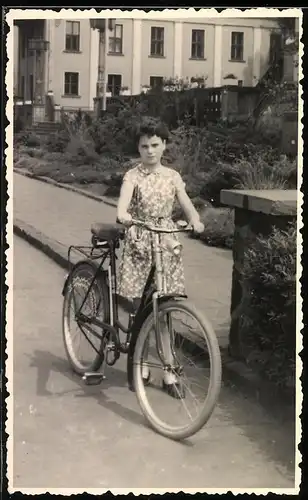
column 194, row 367
column 85, row 343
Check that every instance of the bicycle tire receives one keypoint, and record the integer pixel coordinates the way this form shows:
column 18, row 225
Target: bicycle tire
column 215, row 379
column 81, row 270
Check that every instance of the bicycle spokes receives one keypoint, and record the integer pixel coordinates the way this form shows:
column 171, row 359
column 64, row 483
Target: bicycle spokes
column 182, row 365
column 84, row 335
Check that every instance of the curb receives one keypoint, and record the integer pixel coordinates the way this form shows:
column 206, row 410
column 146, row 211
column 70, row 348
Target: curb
column 235, row 373
column 73, row 189
column 281, row 405
column 53, row 249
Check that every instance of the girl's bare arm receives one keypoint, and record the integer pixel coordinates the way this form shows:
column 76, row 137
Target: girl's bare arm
column 187, row 205
column 126, row 194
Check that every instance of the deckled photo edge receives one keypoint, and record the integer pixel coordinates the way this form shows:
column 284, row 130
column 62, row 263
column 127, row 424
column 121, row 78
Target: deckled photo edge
column 136, row 13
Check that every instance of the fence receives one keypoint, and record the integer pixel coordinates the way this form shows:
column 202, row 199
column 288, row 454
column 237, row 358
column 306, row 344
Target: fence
column 200, row 105
column 194, row 106
column 197, row 106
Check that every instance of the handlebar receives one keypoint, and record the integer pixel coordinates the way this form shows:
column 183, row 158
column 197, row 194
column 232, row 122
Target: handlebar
column 155, row 229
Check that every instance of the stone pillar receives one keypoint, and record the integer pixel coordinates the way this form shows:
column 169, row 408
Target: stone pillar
column 136, row 51
column 177, row 49
column 94, row 61
column 49, row 55
column 57, row 113
column 218, row 49
column 256, row 63
column 256, row 213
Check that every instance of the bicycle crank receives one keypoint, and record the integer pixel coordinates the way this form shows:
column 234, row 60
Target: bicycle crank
column 112, row 354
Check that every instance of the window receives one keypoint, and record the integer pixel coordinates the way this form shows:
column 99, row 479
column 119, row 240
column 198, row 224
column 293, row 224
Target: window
column 114, row 84
column 197, row 44
column 157, row 41
column 116, row 40
column 72, row 39
column 156, row 81
column 71, row 84
column 237, row 46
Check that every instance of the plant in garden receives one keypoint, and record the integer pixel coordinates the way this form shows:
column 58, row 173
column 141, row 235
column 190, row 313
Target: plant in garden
column 259, row 174
column 57, row 142
column 199, row 203
column 200, row 81
column 222, row 176
column 29, row 139
column 218, row 227
column 268, row 308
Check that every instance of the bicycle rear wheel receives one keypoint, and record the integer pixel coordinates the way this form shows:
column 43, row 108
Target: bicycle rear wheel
column 192, row 339
column 92, row 339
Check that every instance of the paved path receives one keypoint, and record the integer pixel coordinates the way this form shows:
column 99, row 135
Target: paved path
column 67, row 435
column 66, row 217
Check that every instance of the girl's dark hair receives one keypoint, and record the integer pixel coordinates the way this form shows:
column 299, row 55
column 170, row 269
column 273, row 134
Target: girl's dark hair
column 151, row 126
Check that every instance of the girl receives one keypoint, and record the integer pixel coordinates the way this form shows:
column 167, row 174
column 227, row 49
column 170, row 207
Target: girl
column 148, row 193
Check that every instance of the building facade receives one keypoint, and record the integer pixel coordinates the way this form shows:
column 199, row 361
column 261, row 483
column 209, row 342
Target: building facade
column 64, row 55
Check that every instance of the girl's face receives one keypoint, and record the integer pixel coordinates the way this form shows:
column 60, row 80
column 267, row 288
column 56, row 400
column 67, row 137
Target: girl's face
column 151, row 149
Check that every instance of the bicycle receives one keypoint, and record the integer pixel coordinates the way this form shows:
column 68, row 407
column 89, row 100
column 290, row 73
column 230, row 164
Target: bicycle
column 99, row 286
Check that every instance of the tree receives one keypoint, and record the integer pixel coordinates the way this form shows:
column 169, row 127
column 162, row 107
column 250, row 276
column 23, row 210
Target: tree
column 288, row 28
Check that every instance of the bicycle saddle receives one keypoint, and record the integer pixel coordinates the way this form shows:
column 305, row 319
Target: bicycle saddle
column 107, row 232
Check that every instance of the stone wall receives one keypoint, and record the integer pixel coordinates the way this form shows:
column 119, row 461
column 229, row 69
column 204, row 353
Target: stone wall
column 256, row 213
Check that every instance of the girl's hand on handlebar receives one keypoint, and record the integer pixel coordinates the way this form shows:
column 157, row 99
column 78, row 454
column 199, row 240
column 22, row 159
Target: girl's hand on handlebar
column 198, row 226
column 125, row 219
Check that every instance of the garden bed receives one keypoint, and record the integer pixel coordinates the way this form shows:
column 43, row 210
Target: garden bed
column 208, row 161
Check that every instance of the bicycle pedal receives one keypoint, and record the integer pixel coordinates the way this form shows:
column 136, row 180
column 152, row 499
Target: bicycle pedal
column 93, row 378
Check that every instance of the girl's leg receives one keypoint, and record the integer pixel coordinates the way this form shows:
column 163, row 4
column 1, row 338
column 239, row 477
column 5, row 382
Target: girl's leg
column 169, row 378
column 145, row 367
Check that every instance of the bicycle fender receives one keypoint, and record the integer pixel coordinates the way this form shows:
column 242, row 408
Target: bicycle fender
column 75, row 266
column 140, row 319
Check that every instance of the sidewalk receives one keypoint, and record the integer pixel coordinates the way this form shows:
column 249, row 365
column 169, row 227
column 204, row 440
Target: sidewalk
column 65, row 217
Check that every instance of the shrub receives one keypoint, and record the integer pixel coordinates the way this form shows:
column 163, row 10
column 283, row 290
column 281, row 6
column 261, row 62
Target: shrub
column 57, row 142
column 218, row 227
column 28, row 139
column 199, row 203
column 18, row 125
column 221, row 176
column 80, row 150
column 268, row 309
column 113, row 134
column 259, row 174
column 55, row 157
column 47, row 169
column 35, row 152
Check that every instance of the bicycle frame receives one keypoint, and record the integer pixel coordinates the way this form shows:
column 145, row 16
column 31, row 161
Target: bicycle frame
column 114, row 325
column 149, row 301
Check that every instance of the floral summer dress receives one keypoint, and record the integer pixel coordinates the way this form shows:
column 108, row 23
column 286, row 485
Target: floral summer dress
column 152, row 202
